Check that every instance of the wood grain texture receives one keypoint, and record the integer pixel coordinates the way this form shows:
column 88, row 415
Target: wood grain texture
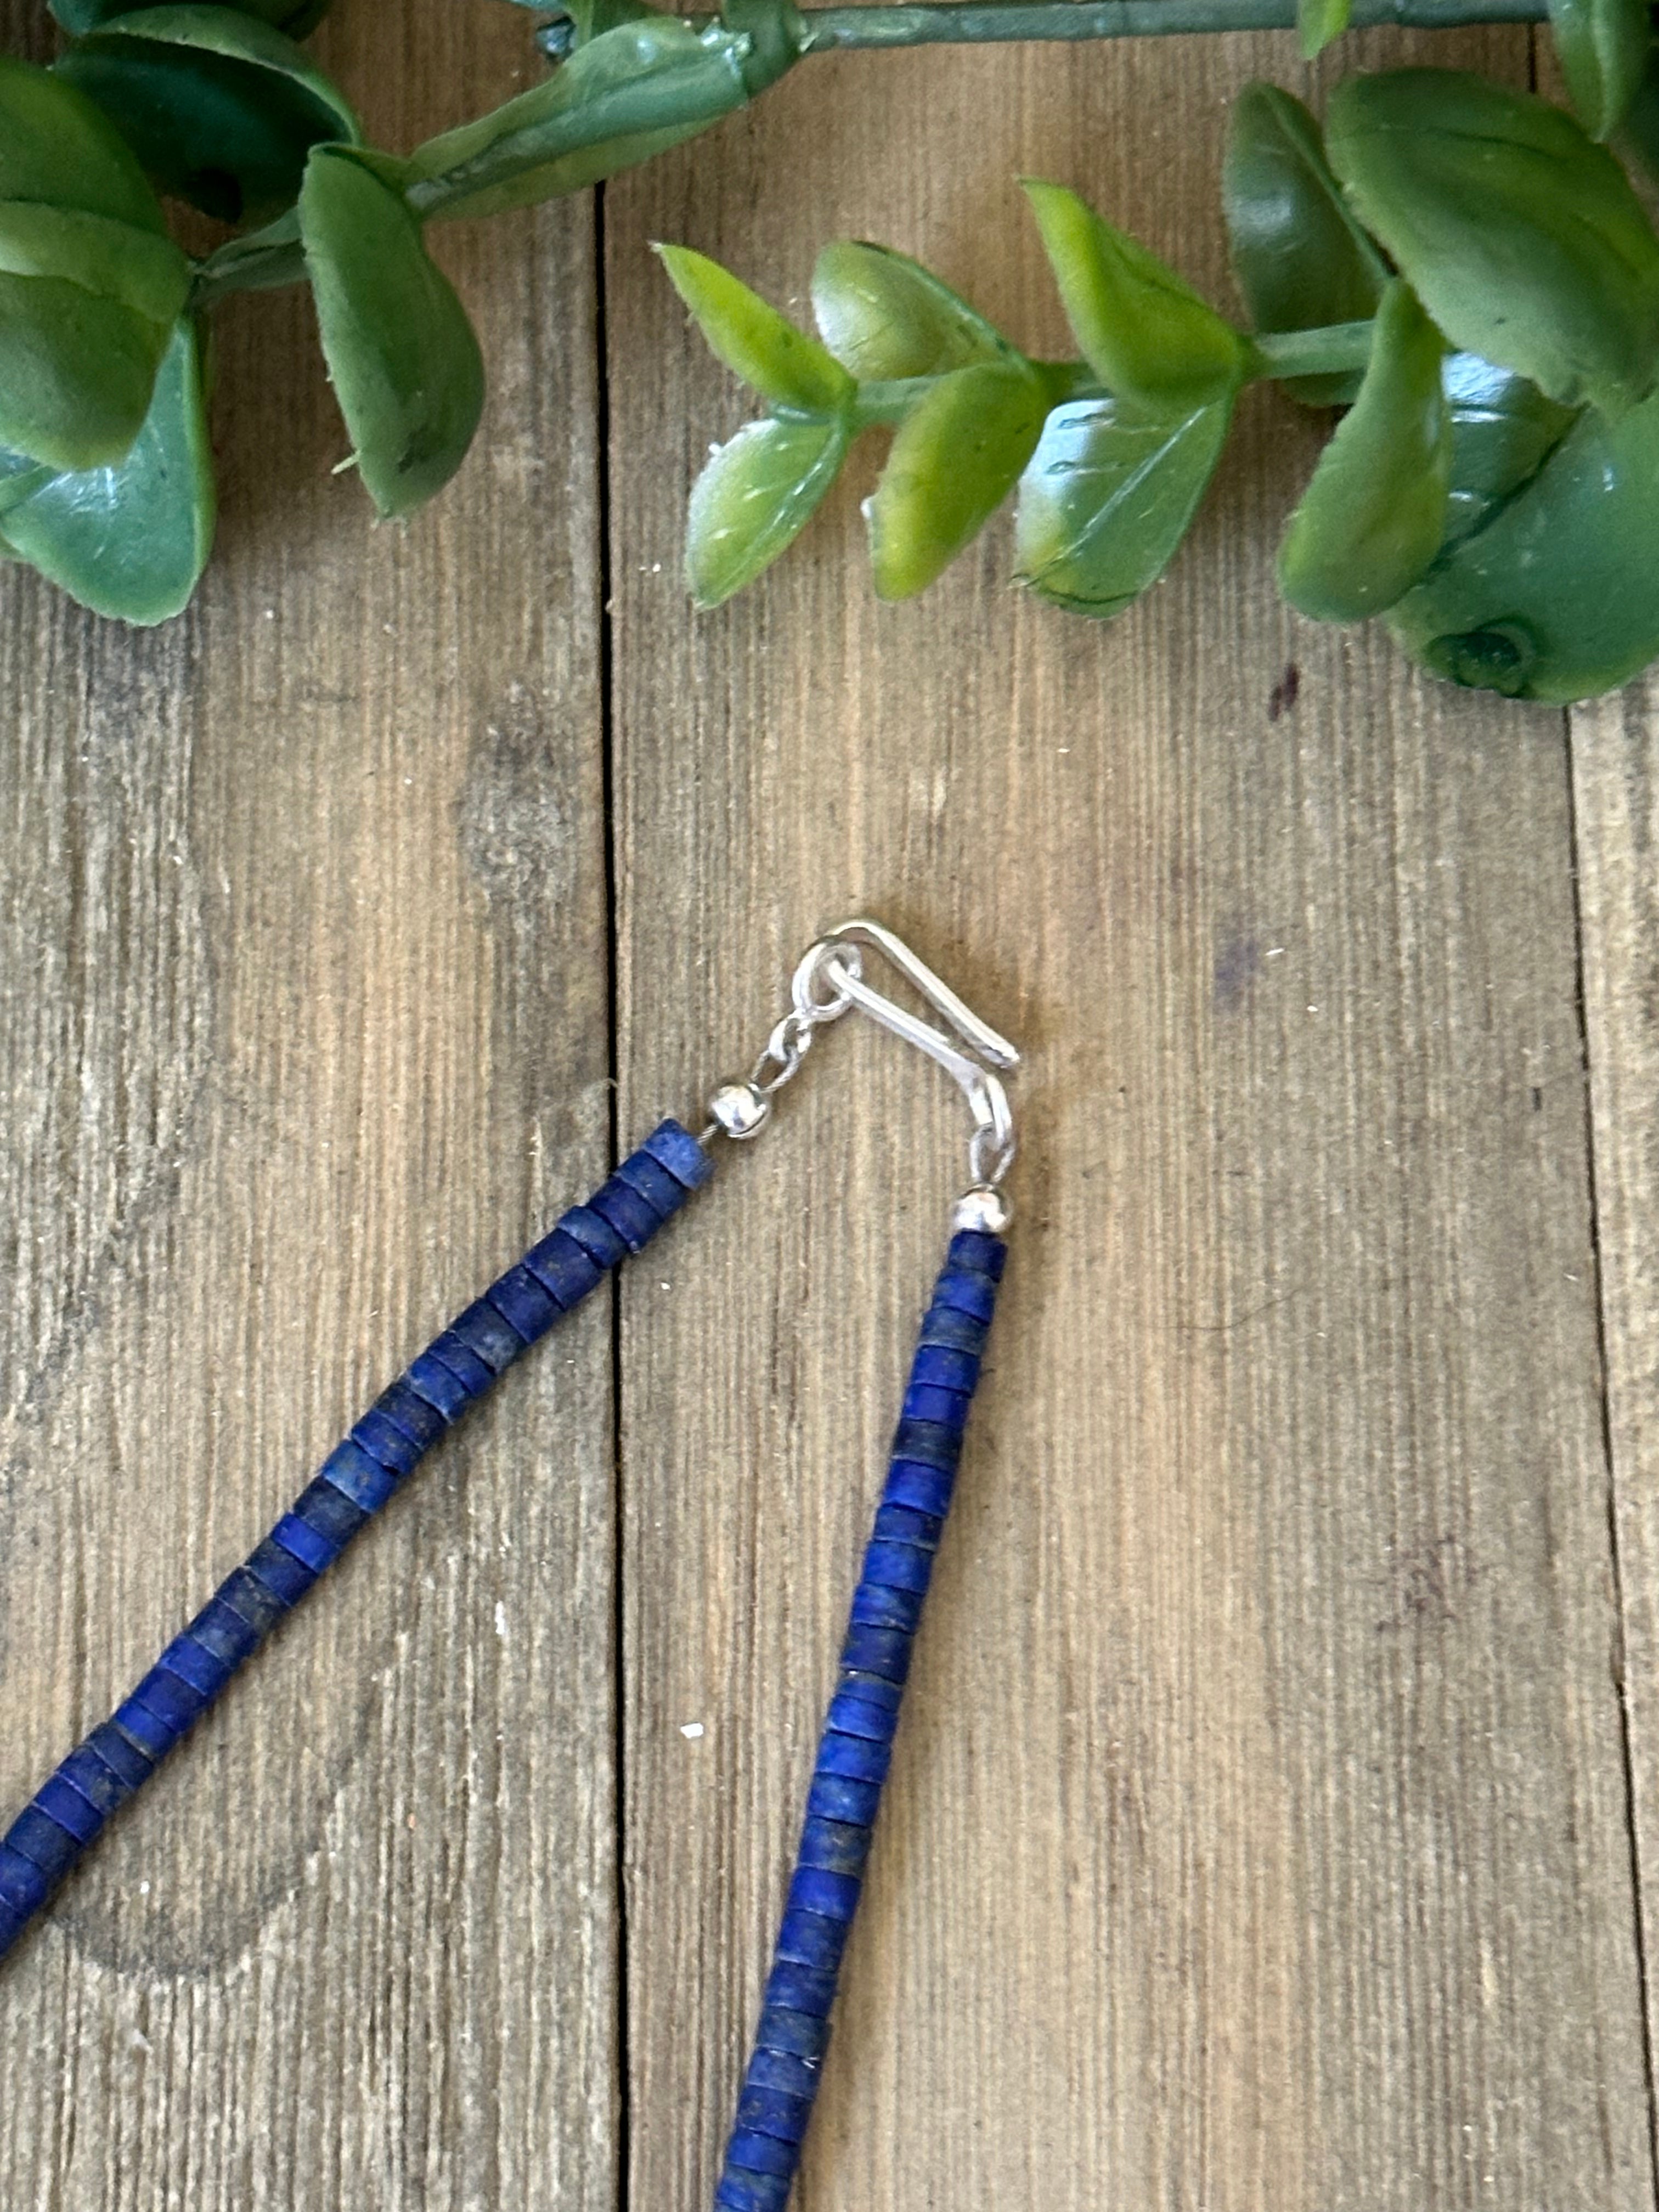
column 1617, row 809
column 1258, row 1831
column 303, row 1000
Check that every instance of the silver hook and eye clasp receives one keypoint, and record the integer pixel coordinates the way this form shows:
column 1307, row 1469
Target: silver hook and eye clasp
column 829, row 982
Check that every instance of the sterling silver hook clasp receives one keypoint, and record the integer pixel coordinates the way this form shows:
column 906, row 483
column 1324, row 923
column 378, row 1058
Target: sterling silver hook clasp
column 830, row 981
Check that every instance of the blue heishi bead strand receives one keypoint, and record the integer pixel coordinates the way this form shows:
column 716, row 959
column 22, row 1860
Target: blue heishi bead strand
column 775, row 2101
column 359, row 1475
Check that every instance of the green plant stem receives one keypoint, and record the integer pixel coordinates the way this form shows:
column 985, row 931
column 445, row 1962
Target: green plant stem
column 1331, row 351
column 987, row 23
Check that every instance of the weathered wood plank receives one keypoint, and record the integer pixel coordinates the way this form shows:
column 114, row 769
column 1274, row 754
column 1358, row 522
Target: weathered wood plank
column 1257, row 1834
column 303, row 1000
column 1616, row 807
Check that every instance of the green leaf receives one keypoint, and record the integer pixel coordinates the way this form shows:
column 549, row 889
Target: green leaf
column 220, row 108
column 77, row 372
column 1603, row 46
column 1146, row 335
column 1300, row 259
column 757, row 494
column 401, row 354
column 757, row 344
column 130, row 540
column 958, row 455
column 627, row 94
column 884, row 316
column 1319, row 21
column 592, row 18
column 296, row 19
column 1374, row 515
column 58, row 148
column 1504, row 429
column 1109, row 496
column 1557, row 598
column 144, row 272
column 1523, row 240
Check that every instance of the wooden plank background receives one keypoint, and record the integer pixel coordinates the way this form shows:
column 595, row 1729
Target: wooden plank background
column 1269, row 1823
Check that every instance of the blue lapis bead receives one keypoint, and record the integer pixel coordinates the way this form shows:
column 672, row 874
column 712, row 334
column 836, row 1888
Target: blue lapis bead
column 813, row 1889
column 12, row 1924
column 761, row 2153
column 923, row 1488
column 563, row 1268
column 325, row 1505
column 150, row 1732
column 800, row 1989
column 45, row 1842
column 359, row 1476
column 313, row 1547
column 627, row 1213
column 948, row 1329
column 654, row 1183
column 902, row 1524
column 595, row 1235
column 929, row 1442
column 945, row 1368
column 978, row 1248
column 838, row 1797
column 221, row 1629
column 837, row 1847
column 171, row 1695
column 524, row 1302
column 897, row 1567
column 287, row 1579
column 809, row 1939
column 770, row 2111
column 803, row 2036
column 967, row 1289
column 474, row 1374
column 876, row 1606
column 120, row 1754
column 202, row 1670
column 753, row 2192
column 679, row 1151
column 428, row 1379
column 23, row 1885
column 856, row 1757
column 104, row 1785
column 882, row 1652
column 386, row 1443
column 247, row 1597
column 929, row 1401
column 782, row 2069
column 406, row 1409
column 850, row 1716
column 489, row 1333
column 69, row 1810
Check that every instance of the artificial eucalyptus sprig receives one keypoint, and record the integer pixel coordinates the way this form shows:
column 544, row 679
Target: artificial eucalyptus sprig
column 1460, row 266
column 1521, row 469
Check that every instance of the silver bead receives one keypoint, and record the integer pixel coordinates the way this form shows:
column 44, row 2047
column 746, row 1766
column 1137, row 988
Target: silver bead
column 984, row 1209
column 741, row 1109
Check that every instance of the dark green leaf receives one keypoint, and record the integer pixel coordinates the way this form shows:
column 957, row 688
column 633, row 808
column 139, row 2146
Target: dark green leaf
column 129, row 540
column 884, row 316
column 1300, row 259
column 1523, row 239
column 754, row 496
column 1109, row 496
column 401, row 354
column 220, row 109
column 958, row 455
column 296, row 18
column 115, row 260
column 75, row 372
column 1146, row 335
column 1319, row 21
column 630, row 93
column 1558, row 597
column 1603, row 46
column 757, row 344
column 1504, row 429
column 1374, row 515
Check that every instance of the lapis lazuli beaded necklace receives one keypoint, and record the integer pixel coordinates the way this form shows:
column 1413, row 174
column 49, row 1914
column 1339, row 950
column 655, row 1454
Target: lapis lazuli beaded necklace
column 67, row 1812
